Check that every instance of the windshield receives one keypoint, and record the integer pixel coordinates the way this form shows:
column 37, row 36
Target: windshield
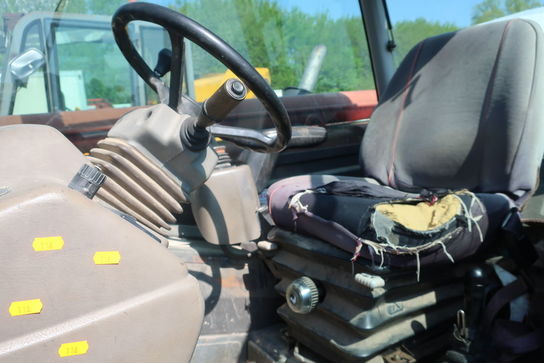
column 60, row 56
column 298, row 47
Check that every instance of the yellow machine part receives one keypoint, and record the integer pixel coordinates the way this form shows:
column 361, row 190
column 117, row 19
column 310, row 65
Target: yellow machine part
column 206, row 86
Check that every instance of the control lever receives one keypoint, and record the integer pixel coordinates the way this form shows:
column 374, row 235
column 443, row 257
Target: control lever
column 164, row 63
column 469, row 345
column 476, row 284
column 215, row 109
column 302, row 136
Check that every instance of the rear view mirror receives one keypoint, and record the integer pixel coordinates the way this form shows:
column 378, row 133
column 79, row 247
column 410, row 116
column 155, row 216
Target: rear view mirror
column 24, row 65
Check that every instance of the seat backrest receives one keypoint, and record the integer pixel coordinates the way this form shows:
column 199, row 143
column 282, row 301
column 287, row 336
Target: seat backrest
column 463, row 110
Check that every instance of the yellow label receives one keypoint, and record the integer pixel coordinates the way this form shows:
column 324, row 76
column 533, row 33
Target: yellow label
column 25, row 307
column 75, row 348
column 48, row 243
column 107, row 258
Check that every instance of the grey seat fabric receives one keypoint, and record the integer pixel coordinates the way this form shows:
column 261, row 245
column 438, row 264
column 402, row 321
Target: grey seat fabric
column 463, row 110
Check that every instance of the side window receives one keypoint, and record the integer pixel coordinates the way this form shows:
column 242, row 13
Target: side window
column 299, row 48
column 416, row 20
column 152, row 40
column 91, row 72
column 32, row 96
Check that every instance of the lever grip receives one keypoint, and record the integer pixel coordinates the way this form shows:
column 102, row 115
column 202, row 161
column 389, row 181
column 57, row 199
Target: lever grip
column 218, row 106
column 164, row 62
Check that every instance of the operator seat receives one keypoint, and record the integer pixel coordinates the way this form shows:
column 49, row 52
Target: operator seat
column 462, row 112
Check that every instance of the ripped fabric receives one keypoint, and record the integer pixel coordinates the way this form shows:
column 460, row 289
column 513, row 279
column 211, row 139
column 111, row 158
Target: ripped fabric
column 397, row 227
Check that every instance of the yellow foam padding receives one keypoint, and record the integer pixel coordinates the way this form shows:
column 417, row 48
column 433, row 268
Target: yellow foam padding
column 422, row 216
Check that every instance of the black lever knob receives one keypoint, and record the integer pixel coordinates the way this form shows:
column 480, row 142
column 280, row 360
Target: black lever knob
column 164, row 63
column 477, row 280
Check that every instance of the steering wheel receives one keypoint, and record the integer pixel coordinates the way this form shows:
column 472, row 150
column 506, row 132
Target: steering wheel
column 179, row 27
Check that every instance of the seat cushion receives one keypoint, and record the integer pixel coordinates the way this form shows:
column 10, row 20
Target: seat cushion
column 347, row 218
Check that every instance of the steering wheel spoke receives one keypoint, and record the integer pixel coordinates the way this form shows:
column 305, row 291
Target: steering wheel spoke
column 176, row 69
column 243, row 137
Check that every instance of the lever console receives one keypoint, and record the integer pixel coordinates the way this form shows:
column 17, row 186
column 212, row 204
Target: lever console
column 155, row 132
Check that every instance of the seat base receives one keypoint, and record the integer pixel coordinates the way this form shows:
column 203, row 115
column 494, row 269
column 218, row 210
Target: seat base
column 353, row 321
column 311, row 205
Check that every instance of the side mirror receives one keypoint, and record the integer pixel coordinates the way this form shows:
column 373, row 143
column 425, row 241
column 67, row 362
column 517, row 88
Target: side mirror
column 24, row 65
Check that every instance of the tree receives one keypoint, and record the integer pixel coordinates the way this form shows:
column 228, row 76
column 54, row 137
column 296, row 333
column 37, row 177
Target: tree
column 264, row 32
column 514, row 6
column 492, row 9
column 487, row 10
column 409, row 33
column 104, row 7
column 268, row 35
column 26, row 6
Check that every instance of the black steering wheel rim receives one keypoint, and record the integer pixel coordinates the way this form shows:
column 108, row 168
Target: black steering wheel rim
column 180, row 26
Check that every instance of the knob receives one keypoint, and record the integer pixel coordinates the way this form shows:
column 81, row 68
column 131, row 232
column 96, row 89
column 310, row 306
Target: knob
column 477, row 281
column 164, row 63
column 218, row 106
column 302, row 295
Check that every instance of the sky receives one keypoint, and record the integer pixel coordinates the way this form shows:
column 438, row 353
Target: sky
column 458, row 12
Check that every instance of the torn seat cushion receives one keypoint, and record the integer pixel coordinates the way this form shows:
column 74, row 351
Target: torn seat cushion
column 384, row 225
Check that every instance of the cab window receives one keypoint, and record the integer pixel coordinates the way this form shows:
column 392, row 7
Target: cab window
column 416, row 20
column 31, row 96
column 298, row 47
column 91, row 70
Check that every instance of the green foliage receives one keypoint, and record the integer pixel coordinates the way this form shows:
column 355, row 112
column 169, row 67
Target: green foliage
column 265, row 33
column 492, row 9
column 514, row 6
column 409, row 33
column 112, row 94
column 487, row 10
column 103, row 7
column 26, row 6
column 282, row 40
column 105, row 71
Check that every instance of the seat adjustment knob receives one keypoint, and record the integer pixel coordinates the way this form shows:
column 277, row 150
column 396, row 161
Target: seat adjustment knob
column 302, row 295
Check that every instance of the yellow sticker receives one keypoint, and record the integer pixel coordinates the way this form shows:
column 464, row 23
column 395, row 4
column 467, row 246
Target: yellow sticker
column 25, row 307
column 75, row 348
column 107, row 258
column 48, row 243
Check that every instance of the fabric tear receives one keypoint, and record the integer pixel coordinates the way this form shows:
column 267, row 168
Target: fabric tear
column 407, row 226
column 422, row 216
